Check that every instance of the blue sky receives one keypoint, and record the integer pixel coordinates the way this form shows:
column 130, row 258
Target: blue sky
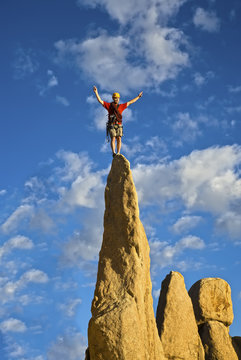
column 182, row 139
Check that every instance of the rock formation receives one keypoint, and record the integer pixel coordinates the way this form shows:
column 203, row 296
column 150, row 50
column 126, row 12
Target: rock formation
column 176, row 321
column 211, row 298
column 212, row 304
column 191, row 326
column 123, row 325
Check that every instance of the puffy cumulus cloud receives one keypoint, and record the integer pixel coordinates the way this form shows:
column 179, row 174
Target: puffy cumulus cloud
column 21, row 214
column 206, row 180
column 3, row 192
column 12, row 325
column 185, row 223
column 157, row 54
column 70, row 346
column 17, row 242
column 163, row 254
column 206, row 20
column 79, row 185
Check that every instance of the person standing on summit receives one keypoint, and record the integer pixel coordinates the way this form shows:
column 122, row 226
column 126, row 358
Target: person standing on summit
column 114, row 126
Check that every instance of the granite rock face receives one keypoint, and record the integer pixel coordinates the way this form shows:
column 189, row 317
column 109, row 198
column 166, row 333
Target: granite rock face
column 211, row 298
column 123, row 325
column 176, row 321
column 217, row 341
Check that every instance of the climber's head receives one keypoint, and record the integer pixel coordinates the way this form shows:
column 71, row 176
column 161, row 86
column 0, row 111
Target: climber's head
column 116, row 97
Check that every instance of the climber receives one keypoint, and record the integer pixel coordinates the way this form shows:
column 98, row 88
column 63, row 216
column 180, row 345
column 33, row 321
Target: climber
column 114, row 125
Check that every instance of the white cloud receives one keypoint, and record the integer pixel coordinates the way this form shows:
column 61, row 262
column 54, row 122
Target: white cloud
column 234, row 89
column 163, row 254
column 230, row 222
column 200, row 79
column 25, row 63
column 206, row 20
column 15, row 351
column 17, row 242
column 74, row 165
column 157, row 53
column 126, row 11
column 187, row 128
column 12, row 325
column 41, row 221
column 62, row 100
column 70, row 308
column 84, row 187
column 22, row 213
column 206, row 180
column 186, row 223
column 152, row 150
column 68, row 346
column 3, row 192
column 10, row 288
column 52, row 82
column 52, row 79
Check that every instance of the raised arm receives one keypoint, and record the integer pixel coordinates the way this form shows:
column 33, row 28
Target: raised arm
column 97, row 95
column 134, row 100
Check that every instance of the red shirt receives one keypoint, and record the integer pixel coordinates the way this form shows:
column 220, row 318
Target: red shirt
column 121, row 108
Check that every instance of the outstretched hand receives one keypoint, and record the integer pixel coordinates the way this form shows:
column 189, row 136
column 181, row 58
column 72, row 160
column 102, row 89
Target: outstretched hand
column 95, row 89
column 140, row 95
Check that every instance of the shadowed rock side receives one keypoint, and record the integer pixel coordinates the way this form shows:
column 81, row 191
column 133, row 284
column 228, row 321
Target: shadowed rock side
column 176, row 321
column 217, row 341
column 123, row 325
column 236, row 341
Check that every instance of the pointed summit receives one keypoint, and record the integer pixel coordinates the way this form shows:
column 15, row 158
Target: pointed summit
column 123, row 325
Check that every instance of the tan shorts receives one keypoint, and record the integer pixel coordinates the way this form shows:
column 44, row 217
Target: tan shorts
column 116, row 131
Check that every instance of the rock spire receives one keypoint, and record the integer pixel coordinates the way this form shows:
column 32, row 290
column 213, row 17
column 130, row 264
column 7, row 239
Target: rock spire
column 123, row 325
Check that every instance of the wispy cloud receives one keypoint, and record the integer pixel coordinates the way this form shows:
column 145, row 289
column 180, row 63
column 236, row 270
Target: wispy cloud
column 52, row 82
column 19, row 215
column 200, row 79
column 25, row 63
column 186, row 223
column 163, row 254
column 62, row 100
column 70, row 307
column 234, row 89
column 17, row 242
column 69, row 346
column 206, row 20
column 10, row 288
